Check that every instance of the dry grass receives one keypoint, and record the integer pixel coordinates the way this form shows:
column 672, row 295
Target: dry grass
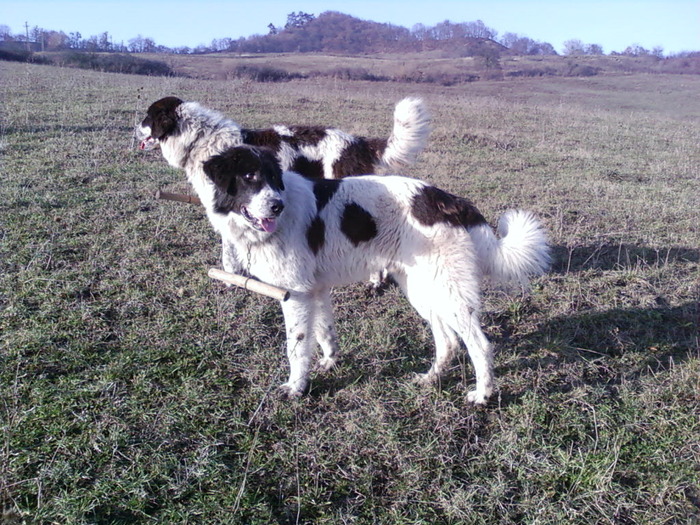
column 438, row 67
column 135, row 390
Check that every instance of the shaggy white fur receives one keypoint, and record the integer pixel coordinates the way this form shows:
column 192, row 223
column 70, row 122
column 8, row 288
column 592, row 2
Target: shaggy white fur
column 322, row 234
column 188, row 134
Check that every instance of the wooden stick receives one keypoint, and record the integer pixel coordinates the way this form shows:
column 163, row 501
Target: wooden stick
column 179, row 197
column 250, row 283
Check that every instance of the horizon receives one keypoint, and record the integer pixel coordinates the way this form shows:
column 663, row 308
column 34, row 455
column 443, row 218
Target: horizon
column 670, row 25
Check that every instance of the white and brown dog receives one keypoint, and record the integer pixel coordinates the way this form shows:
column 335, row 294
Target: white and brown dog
column 188, row 134
column 310, row 235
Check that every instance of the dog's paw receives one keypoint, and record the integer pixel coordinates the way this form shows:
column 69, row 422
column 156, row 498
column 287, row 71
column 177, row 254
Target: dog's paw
column 287, row 391
column 378, row 284
column 476, row 397
column 325, row 364
column 377, row 279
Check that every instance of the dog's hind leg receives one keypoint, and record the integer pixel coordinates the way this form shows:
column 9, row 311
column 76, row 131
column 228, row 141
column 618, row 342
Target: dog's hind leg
column 450, row 302
column 298, row 313
column 446, row 345
column 325, row 331
column 459, row 314
column 422, row 296
column 481, row 355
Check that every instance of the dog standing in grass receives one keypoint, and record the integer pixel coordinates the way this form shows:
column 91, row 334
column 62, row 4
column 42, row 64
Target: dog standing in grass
column 188, row 134
column 310, row 235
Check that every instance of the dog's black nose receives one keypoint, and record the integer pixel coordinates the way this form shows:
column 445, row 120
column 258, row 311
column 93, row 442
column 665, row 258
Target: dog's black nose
column 277, row 207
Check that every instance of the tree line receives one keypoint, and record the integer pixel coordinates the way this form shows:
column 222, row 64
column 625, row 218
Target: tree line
column 333, row 32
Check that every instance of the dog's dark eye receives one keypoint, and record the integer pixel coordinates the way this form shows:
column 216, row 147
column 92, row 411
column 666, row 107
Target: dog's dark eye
column 249, row 177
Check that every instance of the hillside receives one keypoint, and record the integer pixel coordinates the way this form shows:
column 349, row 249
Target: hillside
column 437, row 67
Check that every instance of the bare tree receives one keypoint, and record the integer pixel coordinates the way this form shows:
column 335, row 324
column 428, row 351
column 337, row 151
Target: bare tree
column 105, row 42
column 136, row 44
column 523, row 45
column 574, row 47
column 594, row 49
column 479, row 30
column 57, row 40
column 509, row 39
column 636, row 50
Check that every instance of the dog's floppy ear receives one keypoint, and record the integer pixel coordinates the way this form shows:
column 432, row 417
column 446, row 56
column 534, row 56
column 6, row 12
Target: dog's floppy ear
column 163, row 116
column 223, row 169
column 220, row 170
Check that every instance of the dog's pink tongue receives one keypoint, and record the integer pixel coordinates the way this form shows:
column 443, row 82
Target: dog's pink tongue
column 269, row 225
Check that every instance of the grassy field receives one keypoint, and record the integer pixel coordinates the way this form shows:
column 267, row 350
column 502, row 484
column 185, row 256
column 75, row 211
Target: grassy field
column 133, row 389
column 439, row 66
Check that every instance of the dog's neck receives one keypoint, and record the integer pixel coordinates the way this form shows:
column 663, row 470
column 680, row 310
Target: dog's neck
column 189, row 149
column 201, row 133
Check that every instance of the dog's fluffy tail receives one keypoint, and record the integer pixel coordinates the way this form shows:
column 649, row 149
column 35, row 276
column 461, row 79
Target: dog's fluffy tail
column 410, row 133
column 517, row 251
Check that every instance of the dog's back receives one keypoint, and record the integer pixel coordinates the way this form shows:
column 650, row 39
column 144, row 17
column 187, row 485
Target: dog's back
column 318, row 152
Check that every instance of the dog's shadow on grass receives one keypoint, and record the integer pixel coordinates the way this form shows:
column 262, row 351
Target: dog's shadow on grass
column 591, row 348
column 621, row 343
column 606, row 347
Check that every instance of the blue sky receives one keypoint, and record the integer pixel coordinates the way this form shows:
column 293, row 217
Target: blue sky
column 673, row 25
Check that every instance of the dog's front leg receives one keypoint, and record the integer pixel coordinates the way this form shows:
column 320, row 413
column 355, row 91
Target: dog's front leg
column 229, row 257
column 298, row 313
column 326, row 336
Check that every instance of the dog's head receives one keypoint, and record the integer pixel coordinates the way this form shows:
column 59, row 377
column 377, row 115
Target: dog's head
column 160, row 122
column 248, row 183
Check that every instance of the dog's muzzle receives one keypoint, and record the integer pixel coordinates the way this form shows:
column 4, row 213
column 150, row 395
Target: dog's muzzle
column 146, row 141
column 265, row 224
column 148, row 144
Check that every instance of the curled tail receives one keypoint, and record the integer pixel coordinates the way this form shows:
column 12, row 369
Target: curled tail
column 516, row 252
column 410, row 133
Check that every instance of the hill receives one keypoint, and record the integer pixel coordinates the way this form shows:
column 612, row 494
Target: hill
column 344, row 47
column 333, row 32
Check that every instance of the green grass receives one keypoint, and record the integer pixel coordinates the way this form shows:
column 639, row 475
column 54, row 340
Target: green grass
column 133, row 389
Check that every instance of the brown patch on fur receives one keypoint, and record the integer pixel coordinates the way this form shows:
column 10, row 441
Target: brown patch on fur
column 324, row 190
column 266, row 138
column 358, row 224
column 161, row 117
column 316, row 235
column 432, row 205
column 311, row 169
column 305, row 135
column 359, row 158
